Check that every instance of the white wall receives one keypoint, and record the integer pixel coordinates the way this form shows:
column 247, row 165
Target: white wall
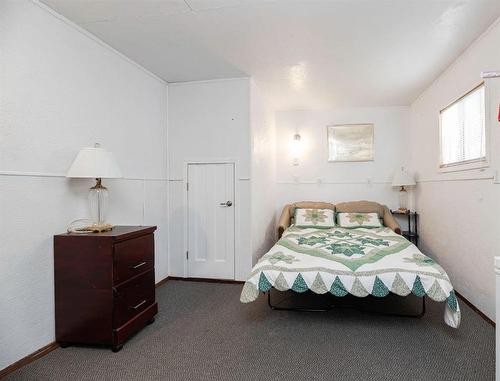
column 459, row 223
column 209, row 120
column 263, row 168
column 62, row 90
column 339, row 181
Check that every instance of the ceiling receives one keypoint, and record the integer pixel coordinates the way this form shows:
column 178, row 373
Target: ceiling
column 303, row 54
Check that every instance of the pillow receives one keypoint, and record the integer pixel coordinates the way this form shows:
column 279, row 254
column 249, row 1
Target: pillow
column 314, row 218
column 358, row 220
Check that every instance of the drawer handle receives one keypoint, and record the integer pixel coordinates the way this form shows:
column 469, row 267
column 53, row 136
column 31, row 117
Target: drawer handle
column 140, row 304
column 138, row 265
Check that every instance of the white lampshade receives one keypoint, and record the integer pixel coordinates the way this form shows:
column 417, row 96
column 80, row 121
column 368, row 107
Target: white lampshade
column 95, row 163
column 402, row 178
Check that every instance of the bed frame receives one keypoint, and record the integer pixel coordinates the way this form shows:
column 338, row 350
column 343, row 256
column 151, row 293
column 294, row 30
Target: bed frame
column 341, row 306
column 384, row 214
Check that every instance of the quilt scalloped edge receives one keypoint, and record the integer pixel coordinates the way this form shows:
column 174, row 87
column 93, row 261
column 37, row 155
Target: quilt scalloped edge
column 399, row 287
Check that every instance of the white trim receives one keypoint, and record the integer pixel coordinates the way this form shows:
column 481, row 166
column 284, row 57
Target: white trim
column 96, row 39
column 455, row 179
column 218, row 160
column 312, row 182
column 61, row 175
column 201, row 81
column 167, row 190
column 461, row 167
column 497, row 265
column 143, row 202
column 239, row 179
column 235, row 163
column 472, row 175
column 487, row 176
column 30, row 174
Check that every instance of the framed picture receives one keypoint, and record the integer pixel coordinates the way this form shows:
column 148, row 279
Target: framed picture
column 350, row 142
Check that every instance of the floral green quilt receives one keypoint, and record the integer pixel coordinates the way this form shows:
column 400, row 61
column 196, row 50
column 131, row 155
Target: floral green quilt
column 359, row 262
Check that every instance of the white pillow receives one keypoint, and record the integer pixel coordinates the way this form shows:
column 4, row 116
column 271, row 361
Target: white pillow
column 314, row 218
column 358, row 220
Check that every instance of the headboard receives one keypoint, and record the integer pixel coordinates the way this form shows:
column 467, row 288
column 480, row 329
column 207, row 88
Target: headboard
column 383, row 212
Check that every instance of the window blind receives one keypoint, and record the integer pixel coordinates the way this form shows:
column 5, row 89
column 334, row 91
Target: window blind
column 463, row 130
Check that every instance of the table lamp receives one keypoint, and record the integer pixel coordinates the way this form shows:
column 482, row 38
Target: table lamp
column 95, row 162
column 401, row 179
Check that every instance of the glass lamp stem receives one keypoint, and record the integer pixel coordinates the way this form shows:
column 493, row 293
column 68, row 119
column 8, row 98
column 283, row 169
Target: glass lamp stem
column 403, row 198
column 98, row 202
column 99, row 219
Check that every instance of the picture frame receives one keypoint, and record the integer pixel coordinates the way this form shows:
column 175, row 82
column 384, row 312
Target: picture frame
column 350, row 142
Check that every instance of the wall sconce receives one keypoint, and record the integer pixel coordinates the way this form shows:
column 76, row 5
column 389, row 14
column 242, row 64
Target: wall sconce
column 296, row 148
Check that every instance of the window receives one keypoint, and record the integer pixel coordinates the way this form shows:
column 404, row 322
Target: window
column 463, row 132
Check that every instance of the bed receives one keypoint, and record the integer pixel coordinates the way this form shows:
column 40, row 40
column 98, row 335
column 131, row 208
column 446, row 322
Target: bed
column 356, row 261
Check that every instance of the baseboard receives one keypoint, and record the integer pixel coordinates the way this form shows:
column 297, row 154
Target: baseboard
column 28, row 359
column 208, row 280
column 162, row 282
column 475, row 309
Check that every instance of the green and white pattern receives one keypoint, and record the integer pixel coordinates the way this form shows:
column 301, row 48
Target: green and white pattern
column 357, row 220
column 360, row 262
column 314, row 218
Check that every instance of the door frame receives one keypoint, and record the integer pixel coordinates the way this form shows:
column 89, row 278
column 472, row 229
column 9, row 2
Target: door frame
column 236, row 204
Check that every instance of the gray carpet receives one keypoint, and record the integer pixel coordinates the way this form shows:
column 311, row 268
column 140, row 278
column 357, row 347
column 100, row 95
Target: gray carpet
column 203, row 332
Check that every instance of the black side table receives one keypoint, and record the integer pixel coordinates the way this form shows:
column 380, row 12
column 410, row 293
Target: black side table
column 412, row 233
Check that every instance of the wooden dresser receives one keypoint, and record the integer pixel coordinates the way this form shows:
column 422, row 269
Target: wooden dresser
column 104, row 285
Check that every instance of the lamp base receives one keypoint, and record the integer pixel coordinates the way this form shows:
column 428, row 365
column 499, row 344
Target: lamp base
column 81, row 227
column 99, row 228
column 98, row 203
column 403, row 199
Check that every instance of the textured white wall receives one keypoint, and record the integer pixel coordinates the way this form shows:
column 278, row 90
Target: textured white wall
column 209, row 120
column 459, row 211
column 339, row 181
column 62, row 90
column 263, row 178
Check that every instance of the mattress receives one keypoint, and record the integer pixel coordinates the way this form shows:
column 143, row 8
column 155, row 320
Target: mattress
column 359, row 261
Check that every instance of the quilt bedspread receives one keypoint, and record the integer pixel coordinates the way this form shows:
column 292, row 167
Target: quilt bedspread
column 359, row 262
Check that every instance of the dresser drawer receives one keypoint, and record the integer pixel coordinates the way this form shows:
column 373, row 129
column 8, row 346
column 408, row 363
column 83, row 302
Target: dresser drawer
column 133, row 257
column 133, row 297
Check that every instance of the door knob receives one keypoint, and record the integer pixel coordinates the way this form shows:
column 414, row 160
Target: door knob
column 226, row 204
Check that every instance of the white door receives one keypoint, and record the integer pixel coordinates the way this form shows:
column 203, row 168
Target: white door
column 211, row 221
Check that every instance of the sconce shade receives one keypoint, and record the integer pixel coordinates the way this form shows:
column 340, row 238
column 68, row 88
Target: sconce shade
column 402, row 178
column 95, row 163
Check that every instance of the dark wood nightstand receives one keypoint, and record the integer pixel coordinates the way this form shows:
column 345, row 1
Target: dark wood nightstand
column 412, row 233
column 104, row 285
